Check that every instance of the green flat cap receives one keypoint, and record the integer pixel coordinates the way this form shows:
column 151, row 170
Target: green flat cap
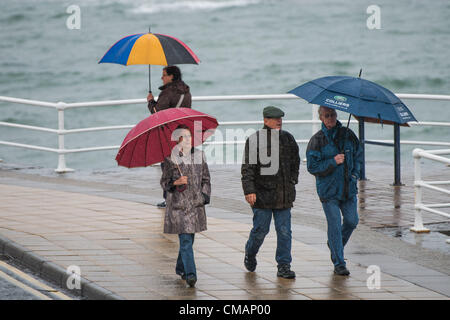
column 272, row 112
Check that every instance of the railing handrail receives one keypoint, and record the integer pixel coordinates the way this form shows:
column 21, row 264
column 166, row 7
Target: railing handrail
column 29, row 102
column 434, row 155
column 284, row 96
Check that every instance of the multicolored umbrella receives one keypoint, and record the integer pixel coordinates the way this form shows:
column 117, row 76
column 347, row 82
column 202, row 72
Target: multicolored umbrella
column 150, row 49
column 150, row 141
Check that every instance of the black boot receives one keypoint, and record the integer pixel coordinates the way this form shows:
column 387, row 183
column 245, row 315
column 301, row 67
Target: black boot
column 284, row 271
column 250, row 262
column 341, row 271
column 191, row 280
column 161, row 204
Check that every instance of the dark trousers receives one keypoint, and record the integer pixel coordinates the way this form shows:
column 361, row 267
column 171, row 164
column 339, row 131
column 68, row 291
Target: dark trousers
column 261, row 227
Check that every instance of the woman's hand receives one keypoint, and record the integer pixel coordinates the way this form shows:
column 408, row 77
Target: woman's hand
column 180, row 181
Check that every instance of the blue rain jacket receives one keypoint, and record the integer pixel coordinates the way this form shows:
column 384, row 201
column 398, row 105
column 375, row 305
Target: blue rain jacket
column 334, row 182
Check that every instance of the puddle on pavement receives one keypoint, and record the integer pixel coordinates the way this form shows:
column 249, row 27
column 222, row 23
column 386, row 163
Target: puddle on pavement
column 435, row 239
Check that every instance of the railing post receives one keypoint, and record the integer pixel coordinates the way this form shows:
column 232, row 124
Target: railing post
column 418, row 223
column 315, row 116
column 315, row 126
column 61, row 156
column 397, row 165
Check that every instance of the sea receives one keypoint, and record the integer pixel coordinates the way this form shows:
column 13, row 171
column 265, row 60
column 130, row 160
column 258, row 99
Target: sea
column 50, row 49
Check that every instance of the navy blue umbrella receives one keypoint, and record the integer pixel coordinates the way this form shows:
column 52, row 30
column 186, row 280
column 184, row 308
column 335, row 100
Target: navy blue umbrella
column 357, row 96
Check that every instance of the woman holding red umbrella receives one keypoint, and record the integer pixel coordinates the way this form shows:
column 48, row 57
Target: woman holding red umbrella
column 187, row 182
column 185, row 176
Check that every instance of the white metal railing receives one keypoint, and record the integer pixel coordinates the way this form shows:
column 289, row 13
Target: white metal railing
column 435, row 155
column 61, row 131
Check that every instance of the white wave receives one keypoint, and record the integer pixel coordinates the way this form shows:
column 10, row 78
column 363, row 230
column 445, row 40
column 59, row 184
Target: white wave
column 191, row 5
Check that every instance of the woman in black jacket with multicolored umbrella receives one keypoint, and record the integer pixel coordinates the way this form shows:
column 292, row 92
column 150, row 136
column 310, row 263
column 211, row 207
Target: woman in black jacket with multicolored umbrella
column 174, row 92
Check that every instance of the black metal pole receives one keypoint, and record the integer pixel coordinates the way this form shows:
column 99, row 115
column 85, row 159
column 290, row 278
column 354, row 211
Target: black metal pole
column 149, row 71
column 397, row 179
column 149, row 79
column 363, row 147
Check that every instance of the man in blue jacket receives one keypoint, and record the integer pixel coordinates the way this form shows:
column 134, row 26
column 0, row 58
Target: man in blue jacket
column 334, row 158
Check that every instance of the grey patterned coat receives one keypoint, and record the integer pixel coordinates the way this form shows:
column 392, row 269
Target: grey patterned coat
column 185, row 210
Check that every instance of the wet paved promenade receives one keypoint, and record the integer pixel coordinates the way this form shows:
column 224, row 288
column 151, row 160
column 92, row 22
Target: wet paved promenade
column 106, row 223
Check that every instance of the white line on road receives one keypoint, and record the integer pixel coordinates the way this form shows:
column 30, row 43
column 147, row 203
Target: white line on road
column 31, row 280
column 23, row 286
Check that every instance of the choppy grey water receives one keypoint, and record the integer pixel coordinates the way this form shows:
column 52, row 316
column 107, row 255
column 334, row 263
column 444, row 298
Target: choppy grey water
column 245, row 47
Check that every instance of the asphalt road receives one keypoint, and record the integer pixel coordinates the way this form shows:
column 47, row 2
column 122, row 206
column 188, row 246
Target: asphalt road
column 9, row 291
column 17, row 283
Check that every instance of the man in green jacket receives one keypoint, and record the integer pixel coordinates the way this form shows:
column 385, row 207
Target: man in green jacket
column 269, row 174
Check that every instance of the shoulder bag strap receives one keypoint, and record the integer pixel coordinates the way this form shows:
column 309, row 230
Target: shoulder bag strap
column 180, row 101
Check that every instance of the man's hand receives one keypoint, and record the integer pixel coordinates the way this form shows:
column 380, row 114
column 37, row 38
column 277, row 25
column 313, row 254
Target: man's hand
column 339, row 158
column 251, row 198
column 180, row 181
column 149, row 97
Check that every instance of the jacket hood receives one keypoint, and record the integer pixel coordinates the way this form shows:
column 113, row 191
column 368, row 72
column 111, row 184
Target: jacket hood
column 178, row 86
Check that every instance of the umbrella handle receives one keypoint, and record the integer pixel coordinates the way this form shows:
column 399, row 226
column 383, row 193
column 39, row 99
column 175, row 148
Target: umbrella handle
column 149, row 79
column 182, row 187
column 346, row 133
column 179, row 170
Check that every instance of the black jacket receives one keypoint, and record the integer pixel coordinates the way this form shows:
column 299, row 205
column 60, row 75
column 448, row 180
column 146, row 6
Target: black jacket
column 170, row 95
column 274, row 187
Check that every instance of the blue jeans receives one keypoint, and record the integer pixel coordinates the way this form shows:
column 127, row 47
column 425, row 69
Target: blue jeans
column 261, row 227
column 339, row 234
column 185, row 261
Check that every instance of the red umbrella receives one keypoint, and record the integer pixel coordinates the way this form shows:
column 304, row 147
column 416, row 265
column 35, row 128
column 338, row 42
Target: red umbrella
column 150, row 141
